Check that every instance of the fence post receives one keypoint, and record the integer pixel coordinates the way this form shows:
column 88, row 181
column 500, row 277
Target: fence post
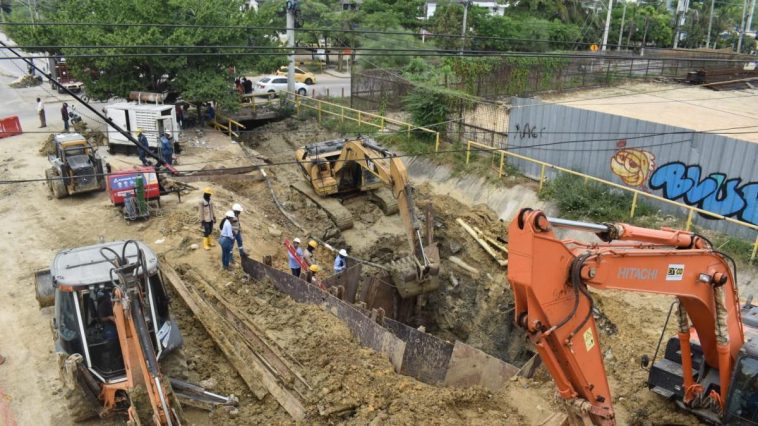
column 319, row 111
column 468, row 151
column 634, row 205
column 755, row 249
column 381, row 123
column 437, row 142
column 359, row 120
column 409, row 130
column 542, row 176
column 502, row 160
column 689, row 220
column 342, row 114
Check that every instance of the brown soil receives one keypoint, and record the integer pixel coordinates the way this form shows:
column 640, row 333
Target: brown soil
column 339, row 370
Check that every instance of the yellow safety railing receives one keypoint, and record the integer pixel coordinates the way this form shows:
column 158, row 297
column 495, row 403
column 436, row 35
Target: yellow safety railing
column 636, row 193
column 361, row 117
column 229, row 127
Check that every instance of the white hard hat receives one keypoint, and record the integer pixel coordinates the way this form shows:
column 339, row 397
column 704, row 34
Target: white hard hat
column 236, row 207
column 296, row 240
column 229, row 213
column 343, row 253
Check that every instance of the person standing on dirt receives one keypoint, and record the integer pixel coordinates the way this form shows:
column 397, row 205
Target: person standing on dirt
column 248, row 85
column 293, row 263
column 310, row 276
column 167, row 148
column 207, row 218
column 64, row 116
column 237, row 230
column 41, row 113
column 142, row 147
column 226, row 241
column 310, row 252
column 340, row 262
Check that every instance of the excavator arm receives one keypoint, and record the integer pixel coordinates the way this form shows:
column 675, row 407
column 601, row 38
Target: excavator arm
column 550, row 280
column 388, row 168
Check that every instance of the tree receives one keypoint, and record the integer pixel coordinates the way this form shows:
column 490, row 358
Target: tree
column 109, row 72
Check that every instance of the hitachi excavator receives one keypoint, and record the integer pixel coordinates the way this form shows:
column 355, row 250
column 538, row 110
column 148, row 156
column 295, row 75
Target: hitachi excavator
column 361, row 165
column 710, row 368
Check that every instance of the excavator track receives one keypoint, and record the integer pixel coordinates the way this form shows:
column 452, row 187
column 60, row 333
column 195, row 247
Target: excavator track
column 338, row 213
column 384, row 199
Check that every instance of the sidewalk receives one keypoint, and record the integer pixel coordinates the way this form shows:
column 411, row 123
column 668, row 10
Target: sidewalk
column 337, row 74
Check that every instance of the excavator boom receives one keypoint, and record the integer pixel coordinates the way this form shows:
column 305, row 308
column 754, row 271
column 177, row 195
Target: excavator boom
column 550, row 279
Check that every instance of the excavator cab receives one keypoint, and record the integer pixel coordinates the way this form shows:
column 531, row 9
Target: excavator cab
column 742, row 404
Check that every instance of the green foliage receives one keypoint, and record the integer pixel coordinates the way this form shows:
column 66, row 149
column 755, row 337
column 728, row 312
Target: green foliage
column 105, row 76
column 577, row 199
column 427, row 108
column 739, row 249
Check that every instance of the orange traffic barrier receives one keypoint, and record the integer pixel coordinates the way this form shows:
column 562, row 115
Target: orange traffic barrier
column 10, row 126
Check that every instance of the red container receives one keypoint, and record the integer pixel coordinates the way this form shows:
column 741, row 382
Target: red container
column 121, row 182
column 10, row 126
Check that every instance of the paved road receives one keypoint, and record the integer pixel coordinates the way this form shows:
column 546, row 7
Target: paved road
column 327, row 85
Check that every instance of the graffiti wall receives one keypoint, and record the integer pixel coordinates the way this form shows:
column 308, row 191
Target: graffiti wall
column 708, row 171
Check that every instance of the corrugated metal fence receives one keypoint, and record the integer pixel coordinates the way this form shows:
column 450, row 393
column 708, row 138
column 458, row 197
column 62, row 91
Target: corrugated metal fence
column 708, row 171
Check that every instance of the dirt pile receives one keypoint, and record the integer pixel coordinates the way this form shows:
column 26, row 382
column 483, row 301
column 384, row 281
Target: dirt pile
column 26, row 81
column 350, row 384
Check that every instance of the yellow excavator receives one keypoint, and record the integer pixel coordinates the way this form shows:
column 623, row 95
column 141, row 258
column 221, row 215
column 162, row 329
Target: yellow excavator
column 352, row 165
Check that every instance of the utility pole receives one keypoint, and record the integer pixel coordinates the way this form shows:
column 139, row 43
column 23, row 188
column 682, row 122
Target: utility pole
column 681, row 14
column 621, row 30
column 742, row 27
column 607, row 25
column 291, row 7
column 750, row 16
column 466, row 4
column 710, row 25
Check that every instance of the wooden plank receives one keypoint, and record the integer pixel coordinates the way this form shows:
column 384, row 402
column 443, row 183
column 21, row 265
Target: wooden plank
column 470, row 367
column 203, row 178
column 481, row 242
column 251, row 368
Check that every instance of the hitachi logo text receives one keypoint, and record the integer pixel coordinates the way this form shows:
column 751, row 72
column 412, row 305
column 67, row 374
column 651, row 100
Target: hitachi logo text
column 637, row 274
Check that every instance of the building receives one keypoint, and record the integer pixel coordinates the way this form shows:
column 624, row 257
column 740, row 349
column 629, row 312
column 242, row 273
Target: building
column 493, row 7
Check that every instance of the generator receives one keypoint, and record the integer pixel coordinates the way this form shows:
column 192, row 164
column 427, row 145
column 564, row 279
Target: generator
column 135, row 191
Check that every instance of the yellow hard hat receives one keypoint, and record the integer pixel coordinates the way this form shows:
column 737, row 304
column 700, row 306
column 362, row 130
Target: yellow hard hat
column 208, row 190
column 313, row 243
column 314, row 268
column 139, row 130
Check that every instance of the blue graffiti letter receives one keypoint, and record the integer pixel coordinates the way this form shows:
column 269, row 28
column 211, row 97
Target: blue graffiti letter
column 726, row 201
column 750, row 195
column 671, row 177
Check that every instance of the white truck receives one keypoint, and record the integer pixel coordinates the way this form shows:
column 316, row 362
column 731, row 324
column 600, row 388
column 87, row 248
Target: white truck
column 154, row 120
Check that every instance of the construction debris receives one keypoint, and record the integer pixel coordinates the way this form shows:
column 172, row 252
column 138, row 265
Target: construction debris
column 485, row 242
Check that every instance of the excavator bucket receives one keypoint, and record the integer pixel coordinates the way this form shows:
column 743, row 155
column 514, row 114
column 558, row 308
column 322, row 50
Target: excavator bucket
column 411, row 278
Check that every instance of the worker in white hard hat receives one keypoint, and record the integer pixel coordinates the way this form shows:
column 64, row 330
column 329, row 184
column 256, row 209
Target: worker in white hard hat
column 237, row 209
column 293, row 263
column 309, row 253
column 207, row 218
column 227, row 239
column 340, row 262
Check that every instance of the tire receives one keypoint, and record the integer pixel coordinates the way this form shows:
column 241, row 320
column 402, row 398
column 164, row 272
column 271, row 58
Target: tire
column 58, row 185
column 174, row 365
column 302, row 92
column 309, row 81
column 77, row 406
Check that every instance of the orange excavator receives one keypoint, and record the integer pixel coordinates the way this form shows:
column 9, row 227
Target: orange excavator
column 710, row 368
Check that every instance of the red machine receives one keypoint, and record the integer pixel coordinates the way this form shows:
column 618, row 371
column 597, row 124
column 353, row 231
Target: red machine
column 121, row 182
column 711, row 371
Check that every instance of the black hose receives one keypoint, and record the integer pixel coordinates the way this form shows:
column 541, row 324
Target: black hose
column 576, row 280
column 575, row 270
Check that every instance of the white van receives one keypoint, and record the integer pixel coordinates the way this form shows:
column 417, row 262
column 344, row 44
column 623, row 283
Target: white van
column 154, row 120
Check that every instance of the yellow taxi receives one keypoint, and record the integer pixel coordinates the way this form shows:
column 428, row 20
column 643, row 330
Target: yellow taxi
column 301, row 75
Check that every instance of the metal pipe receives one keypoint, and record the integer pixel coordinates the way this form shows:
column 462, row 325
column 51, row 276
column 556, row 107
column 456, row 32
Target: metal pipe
column 580, row 226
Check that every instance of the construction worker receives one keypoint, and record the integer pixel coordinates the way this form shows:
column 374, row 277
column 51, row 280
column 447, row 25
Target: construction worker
column 237, row 209
column 105, row 314
column 340, row 262
column 226, row 241
column 142, row 147
column 293, row 263
column 207, row 218
column 167, row 148
column 311, row 275
column 310, row 251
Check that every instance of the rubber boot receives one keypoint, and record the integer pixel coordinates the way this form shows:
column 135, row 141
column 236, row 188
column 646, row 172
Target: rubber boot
column 206, row 243
column 210, row 242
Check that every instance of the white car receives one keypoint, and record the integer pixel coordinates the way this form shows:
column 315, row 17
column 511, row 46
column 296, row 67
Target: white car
column 271, row 84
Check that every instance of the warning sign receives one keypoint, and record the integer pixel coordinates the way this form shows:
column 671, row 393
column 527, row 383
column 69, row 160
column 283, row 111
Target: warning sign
column 589, row 339
column 675, row 272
